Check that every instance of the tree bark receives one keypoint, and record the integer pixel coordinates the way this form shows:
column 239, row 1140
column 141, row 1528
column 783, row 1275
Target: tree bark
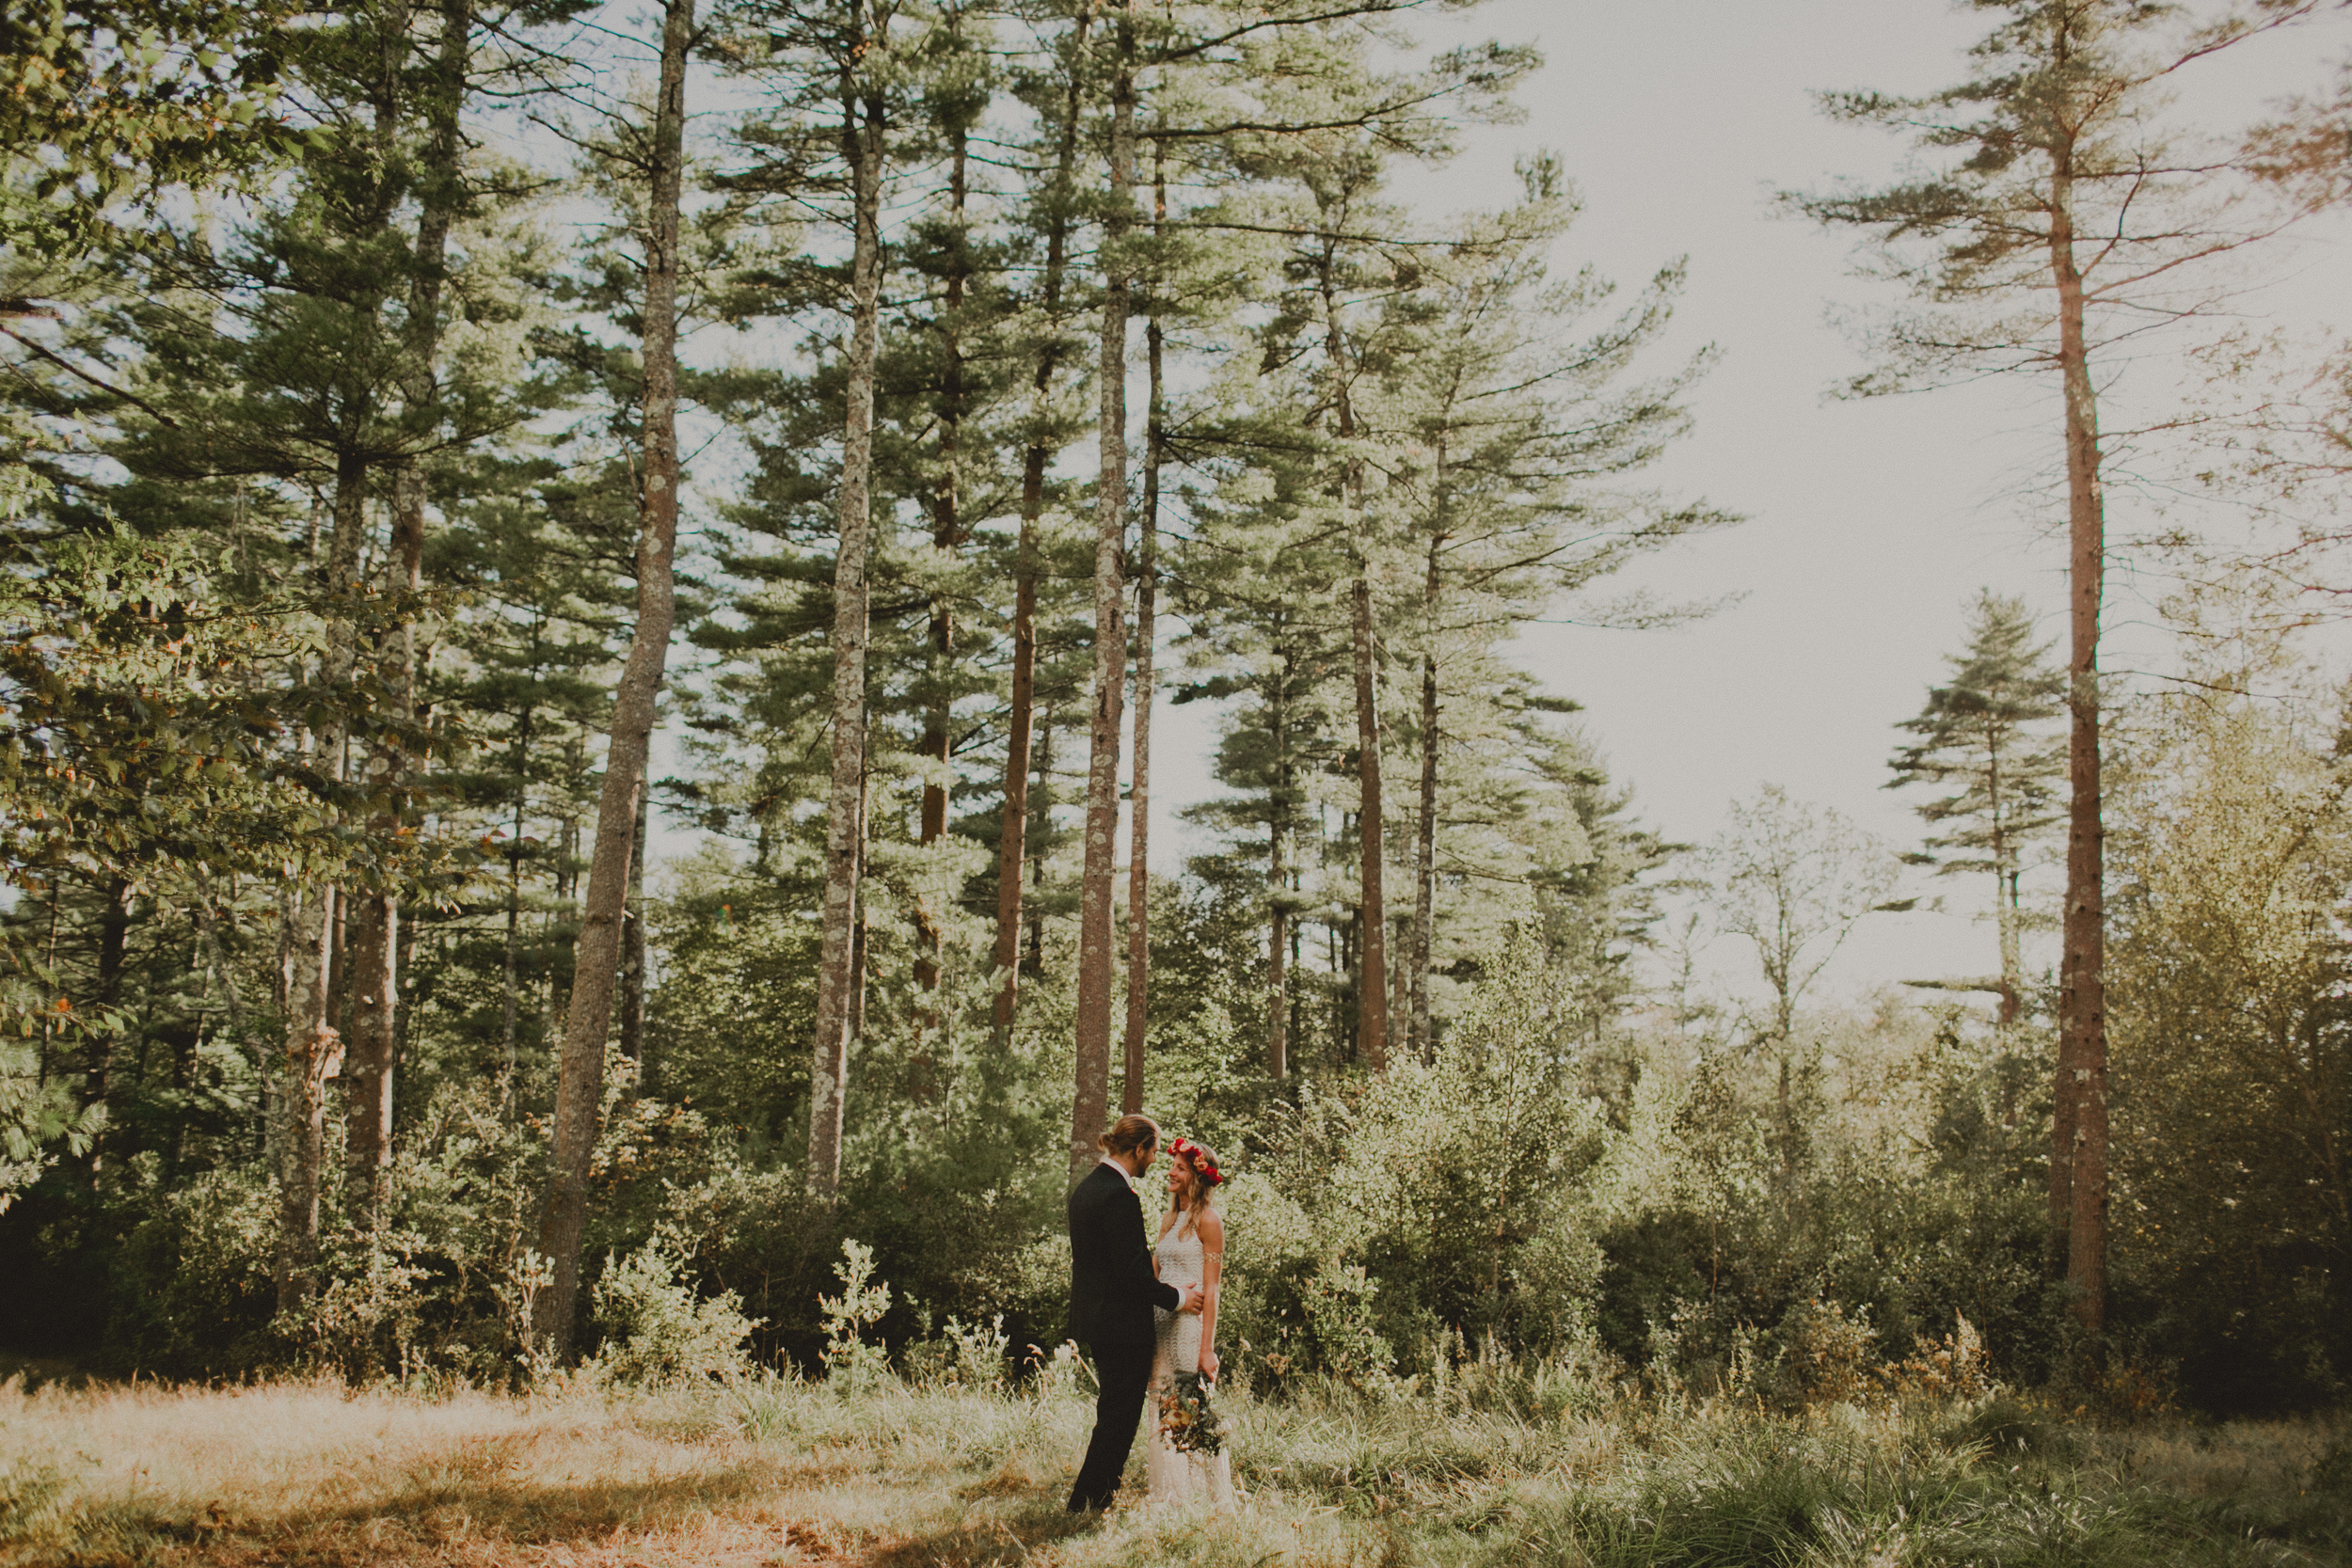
column 861, row 910
column 1425, row 828
column 1278, row 1061
column 1012, row 842
column 314, row 1046
column 1371, row 958
column 368, row 1082
column 2004, row 879
column 1041, row 808
column 595, row 962
column 1090, row 1099
column 947, row 536
column 510, row 994
column 373, row 961
column 861, row 131
column 633, row 942
column 315, row 1054
column 2079, row 1147
column 114, row 947
column 1371, row 997
column 1140, row 795
column 1147, row 632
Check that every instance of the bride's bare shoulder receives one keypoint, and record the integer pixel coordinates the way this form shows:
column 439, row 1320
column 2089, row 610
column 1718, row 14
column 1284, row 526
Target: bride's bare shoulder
column 1211, row 1229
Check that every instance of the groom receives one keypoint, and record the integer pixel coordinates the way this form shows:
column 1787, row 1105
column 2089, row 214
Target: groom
column 1112, row 1292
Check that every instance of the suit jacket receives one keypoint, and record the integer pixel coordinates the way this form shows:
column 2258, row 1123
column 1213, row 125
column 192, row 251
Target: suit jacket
column 1112, row 1288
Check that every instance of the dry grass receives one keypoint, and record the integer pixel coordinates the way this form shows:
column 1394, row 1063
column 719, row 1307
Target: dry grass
column 785, row 1472
column 777, row 1473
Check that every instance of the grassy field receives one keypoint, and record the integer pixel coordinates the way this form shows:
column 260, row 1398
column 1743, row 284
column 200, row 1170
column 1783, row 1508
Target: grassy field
column 785, row 1473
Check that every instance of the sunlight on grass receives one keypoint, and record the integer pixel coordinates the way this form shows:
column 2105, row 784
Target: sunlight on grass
column 782, row 1472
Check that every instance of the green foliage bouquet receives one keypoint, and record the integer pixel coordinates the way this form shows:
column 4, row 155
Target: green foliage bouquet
column 1188, row 1420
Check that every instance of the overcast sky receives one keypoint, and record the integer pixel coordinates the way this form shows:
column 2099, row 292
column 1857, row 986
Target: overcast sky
column 1870, row 524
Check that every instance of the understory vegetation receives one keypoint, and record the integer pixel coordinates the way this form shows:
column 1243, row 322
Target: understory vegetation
column 1496, row 1463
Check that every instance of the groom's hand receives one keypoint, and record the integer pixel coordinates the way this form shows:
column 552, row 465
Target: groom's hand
column 1194, row 1299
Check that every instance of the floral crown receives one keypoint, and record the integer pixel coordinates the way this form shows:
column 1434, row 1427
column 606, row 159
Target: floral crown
column 1204, row 1163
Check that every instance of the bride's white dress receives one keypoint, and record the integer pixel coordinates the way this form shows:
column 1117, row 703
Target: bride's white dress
column 1179, row 1477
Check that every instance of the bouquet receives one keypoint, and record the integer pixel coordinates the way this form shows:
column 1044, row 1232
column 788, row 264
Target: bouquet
column 1188, row 1420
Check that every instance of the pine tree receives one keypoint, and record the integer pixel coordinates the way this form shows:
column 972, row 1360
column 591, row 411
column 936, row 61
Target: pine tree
column 442, row 197
column 1527, row 420
column 834, row 73
column 2063, row 223
column 1979, row 732
column 1058, row 98
column 588, row 1019
column 298, row 352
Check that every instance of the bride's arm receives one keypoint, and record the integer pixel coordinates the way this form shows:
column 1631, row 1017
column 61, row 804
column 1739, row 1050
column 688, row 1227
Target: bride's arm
column 1211, row 1233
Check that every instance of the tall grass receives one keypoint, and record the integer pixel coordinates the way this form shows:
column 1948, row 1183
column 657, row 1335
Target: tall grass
column 777, row 1472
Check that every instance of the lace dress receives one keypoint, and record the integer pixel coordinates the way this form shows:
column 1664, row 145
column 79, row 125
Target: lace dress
column 1177, row 1476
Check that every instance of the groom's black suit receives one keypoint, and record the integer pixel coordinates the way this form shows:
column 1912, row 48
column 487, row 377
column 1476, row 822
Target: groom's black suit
column 1112, row 1292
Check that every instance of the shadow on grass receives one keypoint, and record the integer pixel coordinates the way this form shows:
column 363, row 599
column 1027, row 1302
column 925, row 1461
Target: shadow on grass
column 987, row 1538
column 432, row 1512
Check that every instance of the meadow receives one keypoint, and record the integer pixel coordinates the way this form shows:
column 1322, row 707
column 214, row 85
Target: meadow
column 1517, row 1465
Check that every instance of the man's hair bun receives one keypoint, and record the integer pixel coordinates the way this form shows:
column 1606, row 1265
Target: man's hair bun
column 1129, row 1133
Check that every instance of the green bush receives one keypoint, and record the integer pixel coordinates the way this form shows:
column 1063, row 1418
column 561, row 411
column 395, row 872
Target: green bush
column 658, row 1332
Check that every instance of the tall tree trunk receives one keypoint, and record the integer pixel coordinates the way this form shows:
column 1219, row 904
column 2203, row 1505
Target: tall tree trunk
column 1012, row 842
column 947, row 536
column 338, row 965
column 2012, row 962
column 1090, row 1105
column 373, row 974
column 1372, row 957
column 862, row 130
column 509, row 988
column 2079, row 1197
column 1041, row 806
column 2002, row 874
column 1139, row 795
column 2004, row 882
column 49, row 969
column 1147, row 635
column 1372, row 999
column 859, row 918
column 373, row 1049
column 1425, row 822
column 310, row 927
column 114, row 947
column 1278, row 1059
column 633, row 943
column 315, row 1054
column 597, row 953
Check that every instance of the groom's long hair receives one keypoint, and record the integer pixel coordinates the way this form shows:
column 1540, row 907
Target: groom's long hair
column 1129, row 1133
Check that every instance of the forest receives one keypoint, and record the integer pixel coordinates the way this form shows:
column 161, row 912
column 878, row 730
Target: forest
column 586, row 593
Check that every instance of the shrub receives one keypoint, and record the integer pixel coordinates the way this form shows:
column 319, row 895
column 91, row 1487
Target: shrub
column 657, row 1332
column 850, row 1358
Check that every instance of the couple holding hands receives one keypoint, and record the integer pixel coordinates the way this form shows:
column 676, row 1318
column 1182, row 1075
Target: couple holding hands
column 1145, row 1313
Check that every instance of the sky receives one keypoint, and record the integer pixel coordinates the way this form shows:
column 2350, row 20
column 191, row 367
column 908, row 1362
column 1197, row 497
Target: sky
column 1870, row 524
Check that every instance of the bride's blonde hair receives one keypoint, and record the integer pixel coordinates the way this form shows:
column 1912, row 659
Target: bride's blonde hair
column 1187, row 1217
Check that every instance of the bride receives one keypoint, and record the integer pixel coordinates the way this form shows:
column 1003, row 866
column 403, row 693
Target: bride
column 1190, row 1251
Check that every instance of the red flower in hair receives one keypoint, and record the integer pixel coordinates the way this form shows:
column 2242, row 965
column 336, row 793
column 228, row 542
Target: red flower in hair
column 1202, row 1163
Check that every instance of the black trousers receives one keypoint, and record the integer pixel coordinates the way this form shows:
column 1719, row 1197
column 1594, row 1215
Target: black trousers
column 1125, row 1374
